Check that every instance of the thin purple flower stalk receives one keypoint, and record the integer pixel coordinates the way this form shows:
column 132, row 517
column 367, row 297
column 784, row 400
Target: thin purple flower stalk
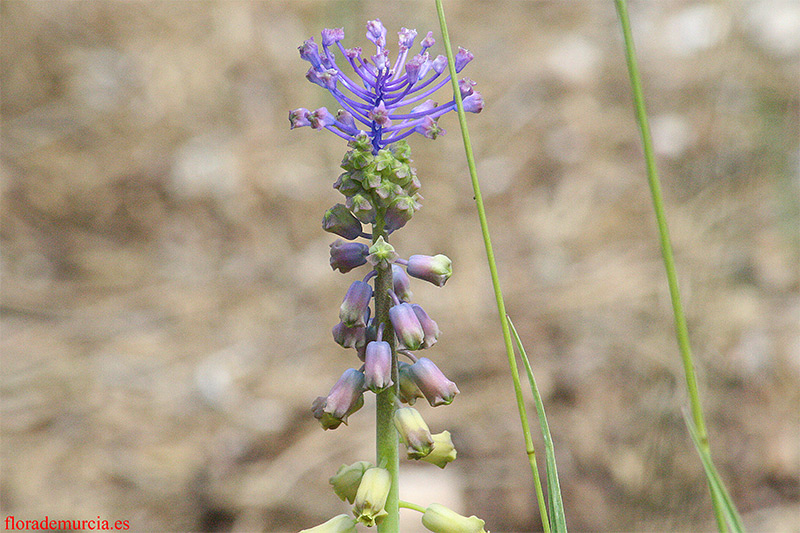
column 381, row 89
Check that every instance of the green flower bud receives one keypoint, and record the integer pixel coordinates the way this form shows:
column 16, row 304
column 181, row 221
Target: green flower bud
column 346, row 481
column 337, row 524
column 381, row 252
column 414, row 432
column 443, row 450
column 371, row 496
column 440, row 519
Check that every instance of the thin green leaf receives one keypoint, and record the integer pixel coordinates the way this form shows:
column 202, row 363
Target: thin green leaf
column 719, row 492
column 558, row 520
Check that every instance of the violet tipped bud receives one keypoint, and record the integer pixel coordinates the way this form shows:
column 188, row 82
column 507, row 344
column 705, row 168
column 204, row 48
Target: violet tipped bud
column 401, row 284
column 381, row 253
column 298, row 118
column 347, row 479
column 345, row 398
column 443, row 450
column 355, row 304
column 376, row 32
column 473, row 103
column 414, row 432
column 406, row 326
column 436, row 269
column 320, row 118
column 429, row 327
column 346, row 256
column 438, row 390
column 309, row 51
column 408, row 390
column 332, row 35
column 362, row 208
column 339, row 220
column 338, row 524
column 463, row 57
column 440, row 519
column 370, row 499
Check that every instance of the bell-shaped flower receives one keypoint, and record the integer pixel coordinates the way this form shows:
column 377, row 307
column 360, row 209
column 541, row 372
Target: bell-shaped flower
column 440, row 519
column 378, row 366
column 413, row 432
column 370, row 500
column 355, row 304
column 401, row 283
column 349, row 336
column 345, row 398
column 408, row 389
column 339, row 220
column 347, row 479
column 429, row 327
column 346, row 256
column 438, row 390
column 436, row 269
column 443, row 450
column 338, row 524
column 406, row 326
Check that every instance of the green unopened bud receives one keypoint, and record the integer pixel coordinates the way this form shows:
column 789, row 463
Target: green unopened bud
column 337, row 524
column 414, row 432
column 371, row 496
column 443, row 450
column 440, row 519
column 339, row 220
column 381, row 252
column 346, row 481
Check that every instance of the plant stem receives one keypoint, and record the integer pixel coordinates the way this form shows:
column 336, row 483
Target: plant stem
column 487, row 241
column 386, row 435
column 681, row 329
column 414, row 506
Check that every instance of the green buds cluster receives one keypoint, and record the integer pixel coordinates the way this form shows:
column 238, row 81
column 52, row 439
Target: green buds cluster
column 385, row 182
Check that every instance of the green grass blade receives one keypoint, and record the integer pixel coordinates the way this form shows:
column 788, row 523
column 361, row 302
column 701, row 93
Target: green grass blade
column 716, row 485
column 558, row 520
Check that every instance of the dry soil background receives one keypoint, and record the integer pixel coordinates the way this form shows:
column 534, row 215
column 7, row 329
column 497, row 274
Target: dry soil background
column 167, row 303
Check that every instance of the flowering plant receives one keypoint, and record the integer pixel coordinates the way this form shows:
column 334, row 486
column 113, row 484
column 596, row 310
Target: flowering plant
column 385, row 101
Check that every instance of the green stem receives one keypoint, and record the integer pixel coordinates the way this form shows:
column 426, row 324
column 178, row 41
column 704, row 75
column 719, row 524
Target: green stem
column 387, row 441
column 414, row 506
column 681, row 329
column 487, row 241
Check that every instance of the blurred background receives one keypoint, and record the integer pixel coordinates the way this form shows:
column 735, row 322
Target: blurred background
column 167, row 300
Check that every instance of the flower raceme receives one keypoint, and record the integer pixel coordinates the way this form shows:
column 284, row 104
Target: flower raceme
column 384, row 100
column 385, row 97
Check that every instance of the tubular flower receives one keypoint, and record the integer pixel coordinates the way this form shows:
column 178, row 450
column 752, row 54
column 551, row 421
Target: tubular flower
column 347, row 479
column 386, row 97
column 440, row 519
column 337, row 524
column 371, row 496
column 345, row 398
column 438, row 390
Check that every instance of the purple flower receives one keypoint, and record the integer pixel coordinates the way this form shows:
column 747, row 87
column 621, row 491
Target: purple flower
column 339, row 220
column 345, row 398
column 438, row 390
column 377, row 96
column 355, row 304
column 378, row 366
column 436, row 269
column 348, row 255
column 406, row 326
column 429, row 327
